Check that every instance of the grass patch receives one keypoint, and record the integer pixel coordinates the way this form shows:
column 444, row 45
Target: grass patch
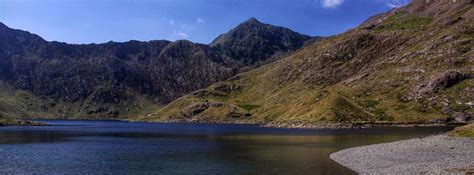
column 248, row 107
column 370, row 106
column 369, row 103
column 382, row 115
column 402, row 21
column 467, row 35
column 344, row 110
column 464, row 131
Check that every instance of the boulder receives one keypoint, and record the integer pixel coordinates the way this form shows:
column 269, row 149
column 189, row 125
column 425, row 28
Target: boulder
column 223, row 87
column 440, row 120
column 461, row 117
column 198, row 108
column 434, row 84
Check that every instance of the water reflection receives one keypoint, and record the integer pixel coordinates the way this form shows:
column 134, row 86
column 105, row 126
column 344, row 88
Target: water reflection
column 141, row 148
column 30, row 137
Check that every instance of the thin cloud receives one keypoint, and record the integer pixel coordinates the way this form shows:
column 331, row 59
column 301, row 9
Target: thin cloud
column 331, row 3
column 171, row 22
column 200, row 20
column 180, row 34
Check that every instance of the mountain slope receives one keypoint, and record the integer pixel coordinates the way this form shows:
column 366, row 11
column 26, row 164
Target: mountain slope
column 253, row 42
column 412, row 64
column 110, row 80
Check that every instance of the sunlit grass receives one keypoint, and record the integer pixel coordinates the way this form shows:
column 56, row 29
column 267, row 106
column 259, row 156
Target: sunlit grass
column 464, row 131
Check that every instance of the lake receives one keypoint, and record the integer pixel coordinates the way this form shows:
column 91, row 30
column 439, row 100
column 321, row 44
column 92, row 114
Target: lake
column 116, row 147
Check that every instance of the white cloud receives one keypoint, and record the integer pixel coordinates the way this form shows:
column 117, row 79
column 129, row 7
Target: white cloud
column 181, row 34
column 200, row 20
column 331, row 3
column 171, row 22
column 397, row 3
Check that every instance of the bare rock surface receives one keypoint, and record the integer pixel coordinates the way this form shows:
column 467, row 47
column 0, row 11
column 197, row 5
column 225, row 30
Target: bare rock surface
column 435, row 84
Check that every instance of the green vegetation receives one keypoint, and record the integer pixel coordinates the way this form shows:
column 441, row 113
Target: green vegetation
column 403, row 21
column 464, row 131
column 248, row 107
column 371, row 106
column 369, row 103
column 345, row 110
column 382, row 115
column 16, row 104
column 467, row 35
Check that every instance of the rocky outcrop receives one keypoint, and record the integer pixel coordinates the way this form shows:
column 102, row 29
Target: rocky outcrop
column 461, row 117
column 435, row 84
column 198, row 108
column 223, row 87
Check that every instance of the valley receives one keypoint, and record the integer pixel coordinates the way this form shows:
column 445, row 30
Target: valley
column 391, row 95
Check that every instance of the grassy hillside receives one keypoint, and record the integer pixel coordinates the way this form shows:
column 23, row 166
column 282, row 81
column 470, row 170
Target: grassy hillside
column 408, row 65
column 23, row 104
column 15, row 103
column 464, row 131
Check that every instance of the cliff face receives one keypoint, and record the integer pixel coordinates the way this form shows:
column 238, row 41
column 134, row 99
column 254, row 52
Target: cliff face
column 107, row 80
column 412, row 64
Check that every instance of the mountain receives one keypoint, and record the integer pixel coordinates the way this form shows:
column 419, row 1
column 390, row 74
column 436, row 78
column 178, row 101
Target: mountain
column 411, row 64
column 111, row 80
column 253, row 42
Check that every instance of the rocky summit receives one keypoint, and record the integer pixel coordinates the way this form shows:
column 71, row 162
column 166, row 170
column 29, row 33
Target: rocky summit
column 256, row 43
column 46, row 79
column 411, row 64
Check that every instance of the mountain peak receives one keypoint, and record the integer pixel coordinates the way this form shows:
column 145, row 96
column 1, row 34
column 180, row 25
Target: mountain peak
column 252, row 20
column 253, row 42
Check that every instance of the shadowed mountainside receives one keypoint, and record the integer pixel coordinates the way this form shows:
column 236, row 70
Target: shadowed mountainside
column 111, row 80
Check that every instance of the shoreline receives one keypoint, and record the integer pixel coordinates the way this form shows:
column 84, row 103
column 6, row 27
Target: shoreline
column 325, row 125
column 438, row 154
column 20, row 122
column 357, row 125
column 283, row 125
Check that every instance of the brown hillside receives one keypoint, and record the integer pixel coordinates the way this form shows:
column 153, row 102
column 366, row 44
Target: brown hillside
column 412, row 64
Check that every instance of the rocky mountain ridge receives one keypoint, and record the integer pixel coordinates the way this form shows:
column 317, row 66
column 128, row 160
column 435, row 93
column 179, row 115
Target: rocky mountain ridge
column 110, row 80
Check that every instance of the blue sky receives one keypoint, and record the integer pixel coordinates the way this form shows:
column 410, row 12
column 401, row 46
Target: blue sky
column 98, row 21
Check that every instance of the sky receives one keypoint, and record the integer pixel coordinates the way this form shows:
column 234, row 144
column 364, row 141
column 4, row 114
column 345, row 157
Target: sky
column 99, row 21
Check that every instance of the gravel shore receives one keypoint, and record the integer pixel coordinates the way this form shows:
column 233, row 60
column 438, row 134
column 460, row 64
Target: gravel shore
column 439, row 154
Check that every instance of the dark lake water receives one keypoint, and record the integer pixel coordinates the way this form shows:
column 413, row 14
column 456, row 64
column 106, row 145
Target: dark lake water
column 114, row 147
